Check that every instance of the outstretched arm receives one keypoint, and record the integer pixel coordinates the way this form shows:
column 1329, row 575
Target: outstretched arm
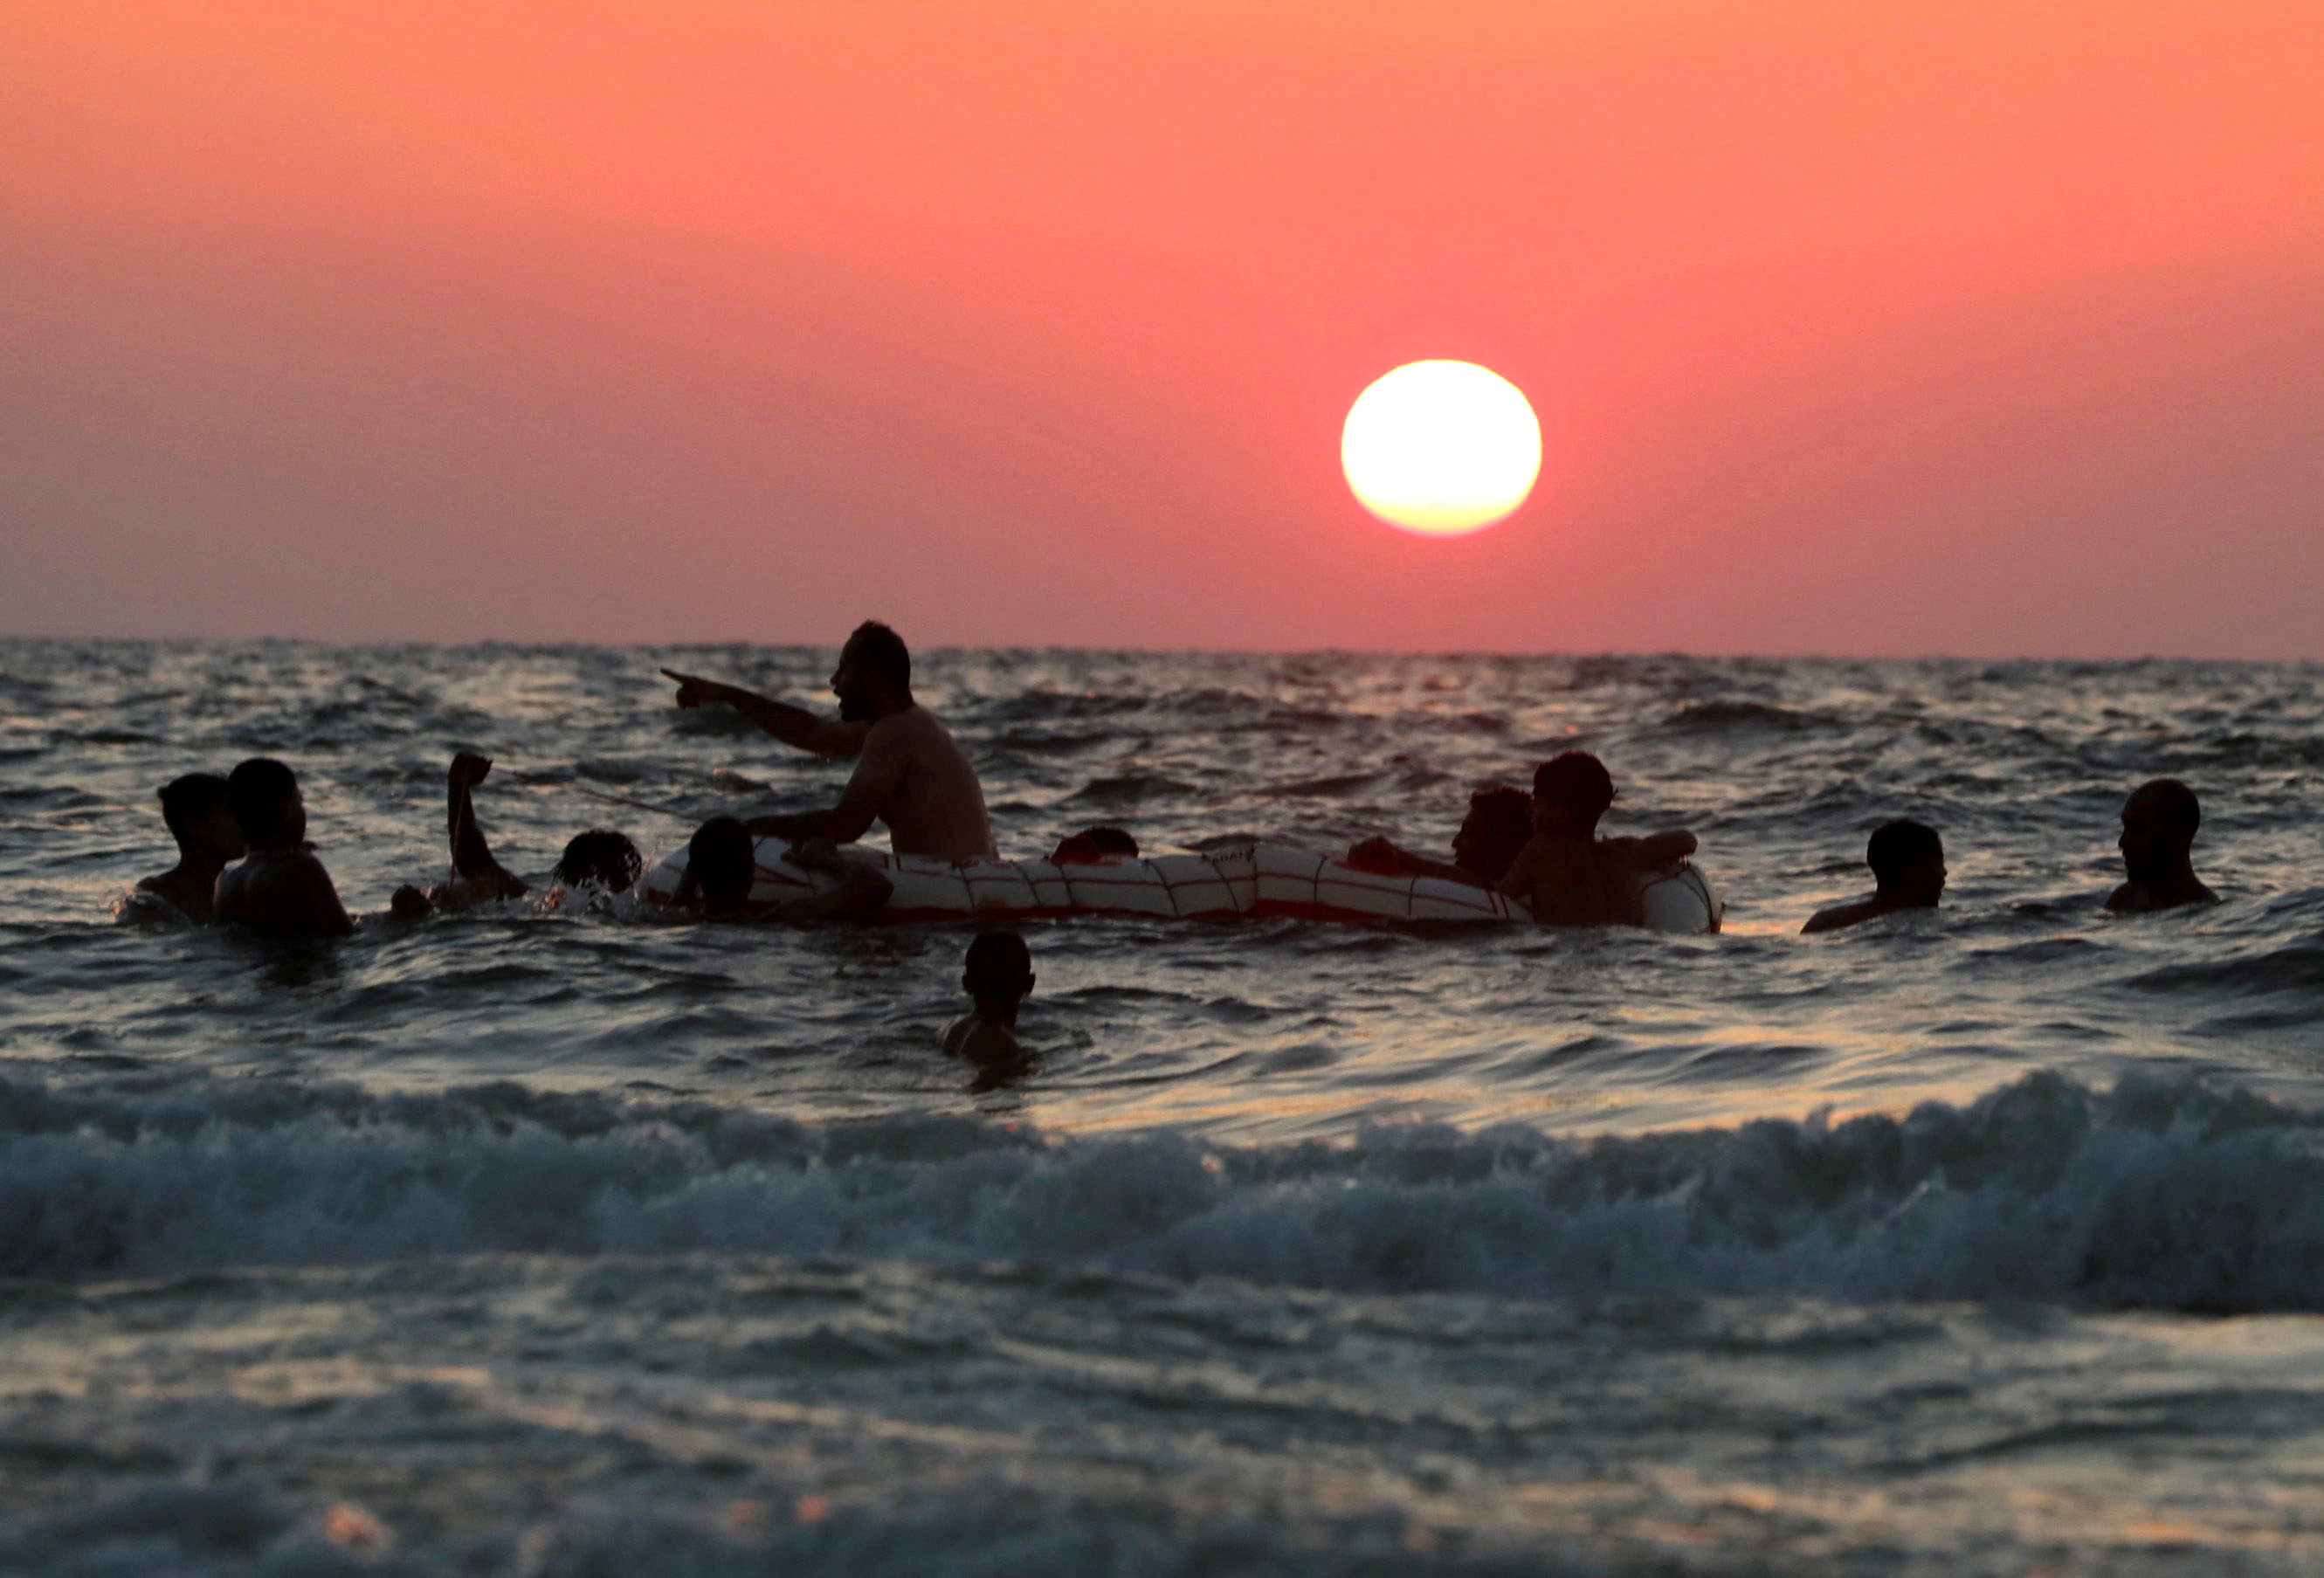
column 793, row 726
column 1656, row 851
column 1379, row 856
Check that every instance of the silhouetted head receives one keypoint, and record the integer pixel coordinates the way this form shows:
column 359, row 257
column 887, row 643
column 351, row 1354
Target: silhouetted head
column 999, row 969
column 874, row 674
column 263, row 796
column 601, row 857
column 723, row 859
column 2159, row 822
column 1908, row 862
column 1093, row 845
column 1569, row 792
column 195, row 809
column 1498, row 823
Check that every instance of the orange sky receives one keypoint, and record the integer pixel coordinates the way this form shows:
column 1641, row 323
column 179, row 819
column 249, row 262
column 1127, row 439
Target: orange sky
column 1906, row 328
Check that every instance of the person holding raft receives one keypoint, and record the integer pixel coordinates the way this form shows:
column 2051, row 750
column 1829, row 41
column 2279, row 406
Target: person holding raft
column 722, row 867
column 1499, row 823
column 1567, row 874
column 910, row 773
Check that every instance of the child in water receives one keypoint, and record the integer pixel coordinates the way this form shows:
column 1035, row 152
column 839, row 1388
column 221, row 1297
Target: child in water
column 998, row 976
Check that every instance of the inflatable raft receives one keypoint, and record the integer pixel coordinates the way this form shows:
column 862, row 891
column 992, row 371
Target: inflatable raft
column 1258, row 880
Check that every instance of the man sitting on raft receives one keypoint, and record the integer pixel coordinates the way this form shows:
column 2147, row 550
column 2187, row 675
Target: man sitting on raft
column 1498, row 823
column 1566, row 873
column 909, row 771
column 2158, row 823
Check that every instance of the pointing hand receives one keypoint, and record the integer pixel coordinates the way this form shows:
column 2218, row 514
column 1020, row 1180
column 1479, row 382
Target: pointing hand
column 692, row 690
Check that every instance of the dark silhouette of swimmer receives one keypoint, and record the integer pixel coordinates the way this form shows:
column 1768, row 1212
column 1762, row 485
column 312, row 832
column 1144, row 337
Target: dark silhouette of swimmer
column 279, row 889
column 910, row 773
column 194, row 807
column 2158, row 823
column 1499, row 823
column 722, row 867
column 1908, row 873
column 998, row 976
column 1566, row 873
column 600, row 856
column 1094, row 847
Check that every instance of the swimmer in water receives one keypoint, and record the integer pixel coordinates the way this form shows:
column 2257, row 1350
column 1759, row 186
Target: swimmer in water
column 600, row 856
column 279, row 889
column 1498, row 826
column 910, row 773
column 1566, row 873
column 193, row 808
column 2158, row 823
column 998, row 976
column 1094, row 847
column 722, row 867
column 1908, row 873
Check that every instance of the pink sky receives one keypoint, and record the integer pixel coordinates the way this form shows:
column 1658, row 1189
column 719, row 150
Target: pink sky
column 1907, row 328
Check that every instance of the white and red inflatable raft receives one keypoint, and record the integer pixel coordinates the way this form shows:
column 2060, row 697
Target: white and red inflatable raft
column 1239, row 880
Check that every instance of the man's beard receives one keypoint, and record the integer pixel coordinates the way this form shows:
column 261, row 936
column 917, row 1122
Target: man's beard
column 855, row 707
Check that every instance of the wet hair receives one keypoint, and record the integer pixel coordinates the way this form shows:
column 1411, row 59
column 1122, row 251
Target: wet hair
column 254, row 793
column 602, row 856
column 187, row 799
column 2175, row 799
column 1896, row 847
column 1576, row 778
column 723, row 859
column 1094, row 844
column 1505, row 816
column 999, row 965
column 881, row 650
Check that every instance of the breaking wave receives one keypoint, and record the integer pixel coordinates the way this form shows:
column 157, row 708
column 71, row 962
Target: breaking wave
column 2158, row 1194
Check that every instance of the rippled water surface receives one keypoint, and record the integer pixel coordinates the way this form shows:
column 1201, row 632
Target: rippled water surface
column 533, row 1241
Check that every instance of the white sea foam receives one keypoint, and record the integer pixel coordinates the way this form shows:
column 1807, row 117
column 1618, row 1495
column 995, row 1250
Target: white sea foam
column 2155, row 1194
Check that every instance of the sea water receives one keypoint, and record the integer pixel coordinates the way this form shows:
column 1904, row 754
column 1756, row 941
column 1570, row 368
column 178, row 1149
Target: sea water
column 537, row 1240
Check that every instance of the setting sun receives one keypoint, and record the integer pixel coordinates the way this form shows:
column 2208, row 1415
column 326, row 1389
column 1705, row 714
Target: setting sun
column 1441, row 448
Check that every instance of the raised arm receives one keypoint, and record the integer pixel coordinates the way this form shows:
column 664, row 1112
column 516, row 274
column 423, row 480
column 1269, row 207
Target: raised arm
column 793, row 726
column 472, row 857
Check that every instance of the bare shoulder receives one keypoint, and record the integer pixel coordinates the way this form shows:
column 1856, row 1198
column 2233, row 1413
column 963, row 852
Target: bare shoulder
column 2129, row 899
column 1837, row 917
column 985, row 1043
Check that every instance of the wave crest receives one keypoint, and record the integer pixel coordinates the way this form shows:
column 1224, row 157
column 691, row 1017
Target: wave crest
column 2168, row 1193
